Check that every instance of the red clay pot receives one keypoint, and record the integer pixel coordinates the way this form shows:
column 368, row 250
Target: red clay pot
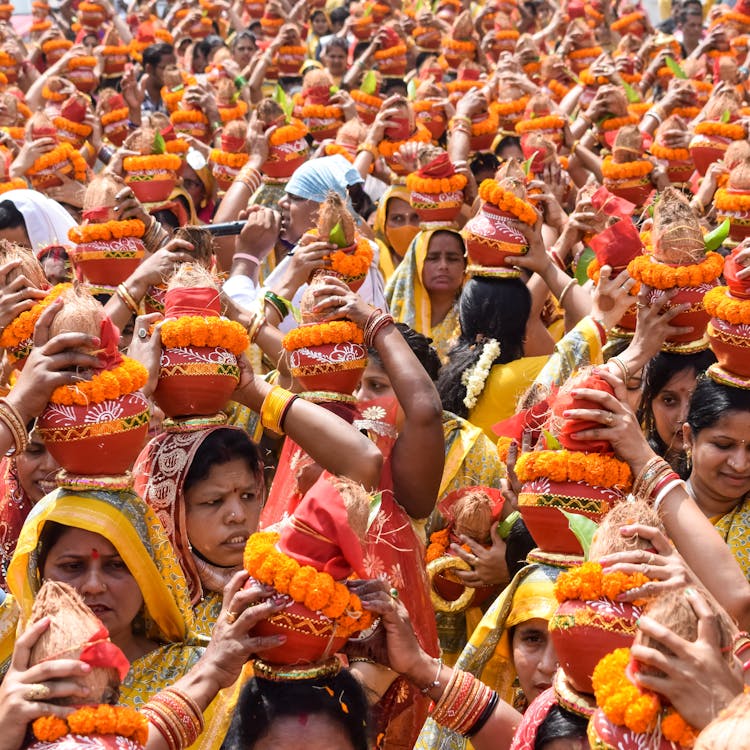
column 97, row 439
column 329, row 367
column 437, row 207
column 429, row 40
column 493, row 238
column 450, row 590
column 604, row 735
column 680, row 172
column 706, row 149
column 696, row 316
column 289, row 64
column 731, row 345
column 584, row 632
column 739, row 221
column 108, row 262
column 196, row 381
column 434, row 120
column 635, row 190
column 285, row 158
column 322, row 129
column 152, row 191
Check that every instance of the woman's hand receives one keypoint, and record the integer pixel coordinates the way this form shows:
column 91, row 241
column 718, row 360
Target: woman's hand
column 488, row 563
column 70, row 192
column 25, row 689
column 309, row 255
column 115, row 165
column 127, row 206
column 611, row 299
column 260, row 233
column 339, row 301
column 696, row 677
column 743, row 259
column 52, row 363
column 388, row 109
column 16, row 297
column 145, row 347
column 29, row 153
column 663, row 564
column 536, row 260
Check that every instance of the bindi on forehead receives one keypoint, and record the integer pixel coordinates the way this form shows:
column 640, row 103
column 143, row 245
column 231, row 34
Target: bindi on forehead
column 95, row 554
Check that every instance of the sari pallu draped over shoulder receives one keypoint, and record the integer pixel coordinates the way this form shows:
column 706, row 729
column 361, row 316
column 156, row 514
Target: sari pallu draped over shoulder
column 387, row 266
column 15, row 505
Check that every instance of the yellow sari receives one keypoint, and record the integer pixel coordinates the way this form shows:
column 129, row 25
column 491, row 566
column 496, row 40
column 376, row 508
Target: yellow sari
column 409, row 302
column 734, row 528
column 387, row 266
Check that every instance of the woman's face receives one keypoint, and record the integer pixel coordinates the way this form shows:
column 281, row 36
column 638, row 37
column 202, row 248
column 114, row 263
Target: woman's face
column 376, row 384
column 443, row 270
column 401, row 225
column 92, row 566
column 222, row 511
column 721, row 459
column 319, row 24
column 311, row 731
column 193, row 185
column 243, row 51
column 36, row 470
column 670, row 406
column 534, row 657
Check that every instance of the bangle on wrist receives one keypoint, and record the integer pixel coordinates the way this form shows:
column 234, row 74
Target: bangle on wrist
column 564, row 293
column 249, row 258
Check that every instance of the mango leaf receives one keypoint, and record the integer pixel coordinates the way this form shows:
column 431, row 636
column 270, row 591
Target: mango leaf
column 725, row 116
column 715, row 239
column 368, row 10
column 674, row 66
column 527, row 164
column 159, row 146
column 333, row 90
column 411, row 90
column 631, row 93
column 584, row 260
column 279, row 96
column 375, row 503
column 420, row 3
column 337, row 236
column 369, row 83
column 583, row 529
column 572, row 75
column 551, row 442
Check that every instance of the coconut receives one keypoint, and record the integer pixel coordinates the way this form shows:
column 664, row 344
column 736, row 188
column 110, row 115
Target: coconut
column 673, row 122
column 428, row 90
column 80, row 313
column 739, row 177
column 190, row 275
column 317, row 78
column 473, row 516
column 141, row 141
column 40, row 126
column 676, row 231
column 608, row 539
column 514, row 185
column 727, row 69
column 72, row 625
column 717, row 107
column 269, row 112
column 540, row 105
column 351, row 134
column 527, row 49
column 225, row 92
column 552, row 67
column 158, row 121
column 29, row 266
column 357, row 504
column 618, row 102
column 728, row 731
column 511, row 169
column 463, row 26
column 11, row 107
column 202, row 242
column 736, row 153
column 101, row 193
column 109, row 100
column 172, row 78
column 333, row 211
column 541, row 147
column 233, row 137
column 628, row 145
column 629, row 44
column 426, row 154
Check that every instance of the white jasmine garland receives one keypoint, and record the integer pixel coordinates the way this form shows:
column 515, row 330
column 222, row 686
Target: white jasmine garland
column 475, row 377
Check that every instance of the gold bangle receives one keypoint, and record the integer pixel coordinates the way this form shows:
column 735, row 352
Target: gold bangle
column 258, row 320
column 274, row 408
column 369, row 148
column 127, row 298
column 12, row 419
column 563, row 294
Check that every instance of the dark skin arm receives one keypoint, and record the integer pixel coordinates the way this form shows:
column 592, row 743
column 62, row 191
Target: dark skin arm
column 419, row 452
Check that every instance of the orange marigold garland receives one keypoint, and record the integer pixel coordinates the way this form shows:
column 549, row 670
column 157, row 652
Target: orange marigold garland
column 594, row 469
column 491, row 192
column 388, row 148
column 724, row 200
column 662, row 276
column 439, row 542
column 102, row 719
column 419, row 184
column 194, row 330
column 57, row 158
column 152, row 162
column 106, row 385
column 627, row 171
column 352, row 264
column 507, row 109
column 318, row 334
column 615, row 123
column 108, row 230
column 547, row 122
column 317, row 591
column 589, row 582
column 625, row 704
column 228, row 159
column 295, row 130
column 718, row 303
column 730, row 130
column 670, row 154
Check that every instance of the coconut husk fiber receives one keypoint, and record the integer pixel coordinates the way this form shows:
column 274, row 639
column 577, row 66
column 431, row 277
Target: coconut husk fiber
column 725, row 101
column 190, row 276
column 202, row 242
column 317, row 77
column 515, row 186
column 172, row 77
column 628, row 145
column 39, row 126
column 608, row 539
column 357, row 504
column 677, row 234
column 463, row 26
column 101, row 192
column 673, row 122
column 739, row 177
column 269, row 112
column 473, row 516
column 141, row 141
column 736, row 153
column 236, row 129
column 427, row 153
column 540, row 105
column 351, row 133
column 29, row 266
column 333, row 211
column 510, row 169
column 225, row 91
column 80, row 313
column 730, row 730
column 72, row 624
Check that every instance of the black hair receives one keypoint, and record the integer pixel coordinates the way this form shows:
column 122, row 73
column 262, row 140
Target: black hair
column 212, row 42
column 517, row 547
column 221, row 447
column 484, row 161
column 247, row 34
column 153, row 54
column 711, row 401
column 488, row 309
column 10, row 216
column 392, row 86
column 336, row 41
column 341, row 699
column 361, row 201
column 48, row 538
column 339, row 15
column 657, row 373
column 690, row 8
column 509, row 140
column 559, row 724
column 317, row 13
column 422, row 348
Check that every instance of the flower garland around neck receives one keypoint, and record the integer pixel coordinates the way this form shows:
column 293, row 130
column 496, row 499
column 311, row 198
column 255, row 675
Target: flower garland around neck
column 354, row 264
column 611, row 170
column 594, row 469
column 294, row 131
column 475, row 377
column 318, row 592
column 87, row 720
column 730, row 130
column 106, row 385
column 108, row 230
column 720, row 304
column 55, row 160
column 625, row 704
column 491, row 192
column 545, row 122
column 21, row 329
column 590, row 582
column 452, row 184
column 229, row 159
column 318, row 334
column 213, row 332
column 670, row 154
column 662, row 276
column 389, row 149
column 615, row 123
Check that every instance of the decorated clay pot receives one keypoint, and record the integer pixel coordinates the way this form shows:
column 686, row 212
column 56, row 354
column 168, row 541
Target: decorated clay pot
column 604, row 735
column 284, row 158
column 483, row 141
column 731, row 345
column 680, row 172
column 115, row 61
column 329, row 367
column 451, row 590
column 310, row 636
column 434, row 120
column 542, row 501
column 196, row 380
column 108, row 262
column 103, row 438
column 152, row 191
column 437, row 207
column 739, row 220
column 92, row 741
column 255, row 10
column 696, row 316
column 85, row 79
column 427, row 39
column 493, row 238
column 289, row 62
column 707, row 149
column 583, row 633
column 224, row 175
column 322, row 128
column 154, row 299
column 636, row 189
column 363, row 28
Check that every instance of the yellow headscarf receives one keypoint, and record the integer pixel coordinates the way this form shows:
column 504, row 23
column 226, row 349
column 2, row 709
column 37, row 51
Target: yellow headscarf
column 387, row 266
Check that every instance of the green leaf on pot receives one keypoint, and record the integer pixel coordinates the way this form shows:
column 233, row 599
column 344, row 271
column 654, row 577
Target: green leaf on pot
column 715, row 239
column 551, row 442
column 368, row 10
column 725, row 115
column 631, row 93
column 337, row 236
column 674, row 66
column 527, row 164
column 333, row 90
column 279, row 96
column 411, row 90
column 369, row 83
column 159, row 146
column 583, row 529
column 582, row 267
column 375, row 503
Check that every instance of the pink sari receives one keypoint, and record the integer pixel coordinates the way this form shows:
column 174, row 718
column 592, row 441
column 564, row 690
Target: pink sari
column 15, row 505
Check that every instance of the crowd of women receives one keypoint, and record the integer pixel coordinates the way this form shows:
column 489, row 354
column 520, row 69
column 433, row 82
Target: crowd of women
column 510, row 222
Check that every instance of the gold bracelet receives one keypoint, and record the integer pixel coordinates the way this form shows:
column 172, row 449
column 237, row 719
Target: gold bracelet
column 622, row 367
column 568, row 286
column 127, row 298
column 12, row 419
column 258, row 320
column 274, row 408
column 369, row 148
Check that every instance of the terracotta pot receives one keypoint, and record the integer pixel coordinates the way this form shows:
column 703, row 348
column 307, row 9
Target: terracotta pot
column 116, row 132
column 680, row 172
column 224, row 175
column 393, row 66
column 635, row 190
column 90, row 741
column 628, row 321
column 363, row 28
column 329, row 367
column 196, row 381
column 114, row 65
column 285, row 158
column 152, row 191
column 706, row 149
column 541, row 502
column 310, row 637
column 109, row 262
column 255, row 10
column 428, row 41
column 450, row 590
column 84, row 79
column 437, row 207
column 583, row 633
column 322, row 129
column 482, row 142
column 731, row 345
column 434, row 120
column 92, row 19
column 380, row 11
column 99, row 439
column 604, row 735
column 739, row 221
column 154, row 299
column 289, row 65
column 696, row 316
column 493, row 238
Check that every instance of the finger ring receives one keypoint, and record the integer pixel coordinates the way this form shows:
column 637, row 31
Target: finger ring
column 651, row 559
column 394, row 593
column 610, row 418
column 231, row 617
column 142, row 333
column 474, row 559
column 37, row 692
column 640, row 305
